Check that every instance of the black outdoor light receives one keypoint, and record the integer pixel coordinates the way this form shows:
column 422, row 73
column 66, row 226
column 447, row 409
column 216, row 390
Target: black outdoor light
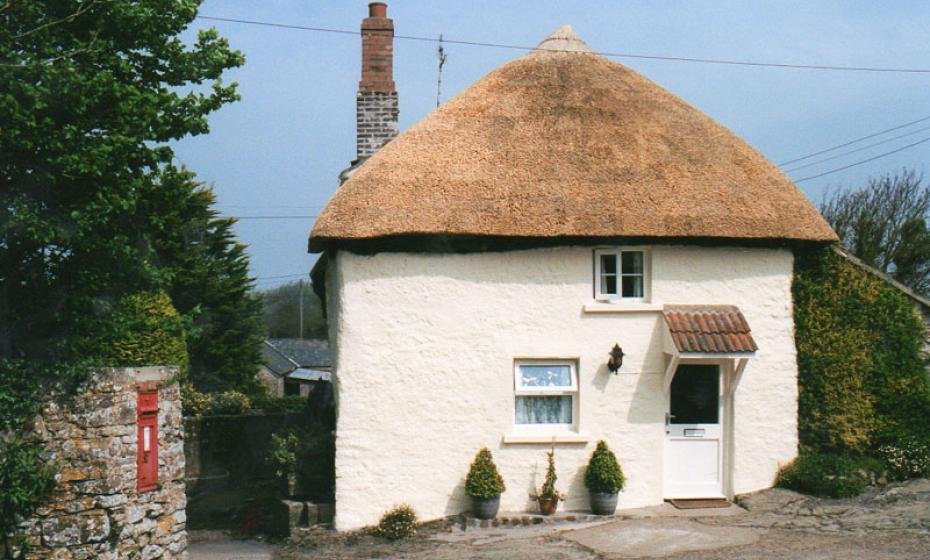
column 616, row 359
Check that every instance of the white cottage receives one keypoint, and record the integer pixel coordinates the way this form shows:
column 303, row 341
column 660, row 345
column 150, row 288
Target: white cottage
column 479, row 268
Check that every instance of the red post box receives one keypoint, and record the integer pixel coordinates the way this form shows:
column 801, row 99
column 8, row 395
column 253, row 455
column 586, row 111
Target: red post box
column 147, row 411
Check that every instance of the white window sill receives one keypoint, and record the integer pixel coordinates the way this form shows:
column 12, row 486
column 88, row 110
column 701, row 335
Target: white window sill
column 546, row 438
column 620, row 306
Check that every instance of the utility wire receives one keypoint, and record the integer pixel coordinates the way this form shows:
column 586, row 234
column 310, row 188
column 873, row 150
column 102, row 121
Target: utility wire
column 292, row 217
column 866, row 147
column 902, row 148
column 606, row 54
column 854, row 141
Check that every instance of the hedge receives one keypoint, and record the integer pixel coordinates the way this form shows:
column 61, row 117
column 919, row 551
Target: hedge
column 861, row 377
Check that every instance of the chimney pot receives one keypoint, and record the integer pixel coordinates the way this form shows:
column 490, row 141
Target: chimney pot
column 377, row 9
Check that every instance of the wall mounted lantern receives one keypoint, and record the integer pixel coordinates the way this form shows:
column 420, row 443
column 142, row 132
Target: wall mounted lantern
column 616, row 359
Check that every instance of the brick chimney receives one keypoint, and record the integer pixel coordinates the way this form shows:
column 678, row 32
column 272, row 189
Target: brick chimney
column 376, row 102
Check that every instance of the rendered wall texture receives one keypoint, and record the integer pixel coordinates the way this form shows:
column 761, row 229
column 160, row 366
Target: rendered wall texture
column 424, row 347
column 95, row 510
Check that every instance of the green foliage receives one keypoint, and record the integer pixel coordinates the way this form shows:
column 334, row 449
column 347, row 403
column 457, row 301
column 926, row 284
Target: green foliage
column 150, row 333
column 400, row 522
column 288, row 403
column 548, row 491
column 604, row 473
column 833, row 476
column 25, row 480
column 283, row 456
column 208, row 280
column 910, row 458
column 861, row 376
column 229, row 402
column 484, row 481
column 282, row 309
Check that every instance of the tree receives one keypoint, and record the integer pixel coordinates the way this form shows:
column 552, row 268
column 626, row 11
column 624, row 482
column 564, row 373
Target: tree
column 282, row 312
column 208, row 280
column 91, row 92
column 885, row 225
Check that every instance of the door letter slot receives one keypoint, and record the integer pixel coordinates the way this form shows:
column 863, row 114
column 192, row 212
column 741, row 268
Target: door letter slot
column 694, row 432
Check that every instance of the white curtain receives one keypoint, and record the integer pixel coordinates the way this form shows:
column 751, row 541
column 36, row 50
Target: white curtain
column 544, row 410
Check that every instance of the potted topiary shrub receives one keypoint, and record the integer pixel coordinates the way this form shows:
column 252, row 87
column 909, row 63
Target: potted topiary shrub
column 485, row 485
column 548, row 497
column 604, row 480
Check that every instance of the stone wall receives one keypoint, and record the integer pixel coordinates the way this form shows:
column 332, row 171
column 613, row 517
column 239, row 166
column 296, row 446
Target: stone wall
column 96, row 510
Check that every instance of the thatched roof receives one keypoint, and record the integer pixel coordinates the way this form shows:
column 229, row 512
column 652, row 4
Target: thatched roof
column 567, row 144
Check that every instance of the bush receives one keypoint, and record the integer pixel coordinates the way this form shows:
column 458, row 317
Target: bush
column 25, row 480
column 150, row 332
column 832, row 476
column 861, row 377
column 484, row 481
column 229, row 402
column 604, row 473
column 908, row 459
column 283, row 456
column 400, row 522
column 289, row 403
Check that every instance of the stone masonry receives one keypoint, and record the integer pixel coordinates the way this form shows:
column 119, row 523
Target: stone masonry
column 376, row 103
column 96, row 511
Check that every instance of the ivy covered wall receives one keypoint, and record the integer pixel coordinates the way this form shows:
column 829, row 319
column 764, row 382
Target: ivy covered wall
column 862, row 377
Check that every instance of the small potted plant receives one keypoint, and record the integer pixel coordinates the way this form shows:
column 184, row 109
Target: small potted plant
column 548, row 497
column 604, row 480
column 485, row 485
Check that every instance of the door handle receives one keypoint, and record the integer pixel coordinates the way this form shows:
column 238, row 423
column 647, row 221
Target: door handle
column 668, row 418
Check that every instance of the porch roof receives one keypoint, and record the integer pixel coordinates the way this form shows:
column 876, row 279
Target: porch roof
column 709, row 329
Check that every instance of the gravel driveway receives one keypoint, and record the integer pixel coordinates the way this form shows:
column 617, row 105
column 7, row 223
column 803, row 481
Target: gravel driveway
column 775, row 524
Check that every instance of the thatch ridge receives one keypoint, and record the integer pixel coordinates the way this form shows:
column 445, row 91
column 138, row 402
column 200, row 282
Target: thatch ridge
column 568, row 144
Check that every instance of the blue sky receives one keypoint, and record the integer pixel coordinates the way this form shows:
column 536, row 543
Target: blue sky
column 279, row 150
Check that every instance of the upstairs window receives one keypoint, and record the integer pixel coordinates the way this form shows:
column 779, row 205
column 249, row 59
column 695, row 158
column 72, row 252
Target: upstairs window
column 620, row 274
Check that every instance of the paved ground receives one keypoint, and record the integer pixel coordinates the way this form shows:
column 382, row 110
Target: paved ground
column 775, row 525
column 214, row 545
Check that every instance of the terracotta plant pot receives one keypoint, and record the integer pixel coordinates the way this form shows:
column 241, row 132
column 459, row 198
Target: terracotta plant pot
column 548, row 505
column 485, row 509
column 603, row 503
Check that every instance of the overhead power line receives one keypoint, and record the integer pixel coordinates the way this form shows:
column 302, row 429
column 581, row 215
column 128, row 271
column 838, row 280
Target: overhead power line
column 602, row 53
column 857, row 150
column 854, row 141
column 838, row 169
column 292, row 217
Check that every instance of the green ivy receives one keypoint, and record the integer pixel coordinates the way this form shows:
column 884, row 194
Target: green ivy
column 150, row 332
column 604, row 474
column 484, row 481
column 25, row 480
column 861, row 377
column 832, row 476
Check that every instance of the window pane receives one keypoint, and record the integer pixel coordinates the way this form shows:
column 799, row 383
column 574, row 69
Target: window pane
column 609, row 285
column 608, row 264
column 632, row 262
column 544, row 410
column 633, row 286
column 546, row 376
column 695, row 395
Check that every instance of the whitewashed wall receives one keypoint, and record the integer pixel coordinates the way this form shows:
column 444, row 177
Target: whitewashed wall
column 424, row 347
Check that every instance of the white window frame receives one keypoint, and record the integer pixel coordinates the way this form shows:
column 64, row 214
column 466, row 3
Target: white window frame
column 618, row 297
column 571, row 390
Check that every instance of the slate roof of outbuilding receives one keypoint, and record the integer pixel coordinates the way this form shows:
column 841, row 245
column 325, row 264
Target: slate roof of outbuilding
column 709, row 329
column 564, row 143
column 283, row 355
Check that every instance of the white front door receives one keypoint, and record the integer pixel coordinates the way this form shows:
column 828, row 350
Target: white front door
column 694, row 434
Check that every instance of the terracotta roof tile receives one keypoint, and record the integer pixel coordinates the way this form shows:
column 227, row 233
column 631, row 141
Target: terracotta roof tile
column 709, row 328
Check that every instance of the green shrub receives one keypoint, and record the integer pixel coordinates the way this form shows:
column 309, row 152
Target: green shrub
column 484, row 481
column 861, row 376
column 833, row 476
column 548, row 491
column 604, row 473
column 908, row 459
column 150, row 332
column 229, row 402
column 283, row 456
column 400, row 522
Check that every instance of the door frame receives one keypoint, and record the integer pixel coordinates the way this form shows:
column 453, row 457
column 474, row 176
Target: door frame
column 728, row 379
